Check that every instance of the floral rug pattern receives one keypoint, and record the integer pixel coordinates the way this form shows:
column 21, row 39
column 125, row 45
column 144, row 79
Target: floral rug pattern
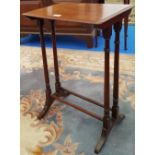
column 38, row 135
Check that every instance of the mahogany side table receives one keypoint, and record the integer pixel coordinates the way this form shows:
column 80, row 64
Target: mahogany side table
column 103, row 16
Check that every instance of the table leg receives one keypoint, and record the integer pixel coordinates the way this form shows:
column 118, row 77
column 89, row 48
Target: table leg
column 125, row 32
column 115, row 107
column 59, row 90
column 48, row 91
column 126, row 27
column 101, row 1
column 106, row 119
column 107, row 34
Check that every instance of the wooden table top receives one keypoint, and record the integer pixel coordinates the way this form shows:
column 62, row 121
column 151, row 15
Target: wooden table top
column 80, row 12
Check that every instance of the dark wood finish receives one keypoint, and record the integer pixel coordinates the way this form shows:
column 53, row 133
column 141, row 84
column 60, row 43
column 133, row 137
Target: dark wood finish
column 126, row 1
column 101, row 16
column 48, row 91
column 78, row 108
column 106, row 120
column 101, row 1
column 126, row 26
column 105, row 133
column 83, row 97
column 55, row 58
column 90, row 14
column 125, row 32
column 115, row 108
column 46, row 75
column 27, row 25
column 86, row 32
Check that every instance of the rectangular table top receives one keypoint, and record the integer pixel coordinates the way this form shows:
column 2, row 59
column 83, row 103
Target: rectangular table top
column 90, row 13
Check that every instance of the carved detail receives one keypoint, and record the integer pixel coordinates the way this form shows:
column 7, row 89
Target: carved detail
column 47, row 105
column 115, row 107
column 105, row 133
column 48, row 91
column 106, row 120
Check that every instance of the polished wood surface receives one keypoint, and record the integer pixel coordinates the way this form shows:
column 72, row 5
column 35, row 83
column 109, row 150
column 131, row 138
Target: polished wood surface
column 83, row 12
column 81, row 31
column 25, row 23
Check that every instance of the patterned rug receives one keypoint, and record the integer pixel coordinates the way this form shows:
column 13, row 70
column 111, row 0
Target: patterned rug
column 65, row 131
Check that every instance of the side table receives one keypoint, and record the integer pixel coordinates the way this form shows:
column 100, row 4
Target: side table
column 102, row 16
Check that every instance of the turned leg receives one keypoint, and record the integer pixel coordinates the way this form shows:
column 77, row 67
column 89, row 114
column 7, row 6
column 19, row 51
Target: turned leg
column 109, row 122
column 96, row 38
column 125, row 32
column 115, row 107
column 89, row 41
column 49, row 100
column 59, row 91
column 106, row 119
column 126, row 27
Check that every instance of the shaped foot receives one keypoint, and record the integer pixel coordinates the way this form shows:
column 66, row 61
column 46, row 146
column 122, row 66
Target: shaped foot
column 46, row 108
column 101, row 141
column 106, row 132
column 119, row 119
